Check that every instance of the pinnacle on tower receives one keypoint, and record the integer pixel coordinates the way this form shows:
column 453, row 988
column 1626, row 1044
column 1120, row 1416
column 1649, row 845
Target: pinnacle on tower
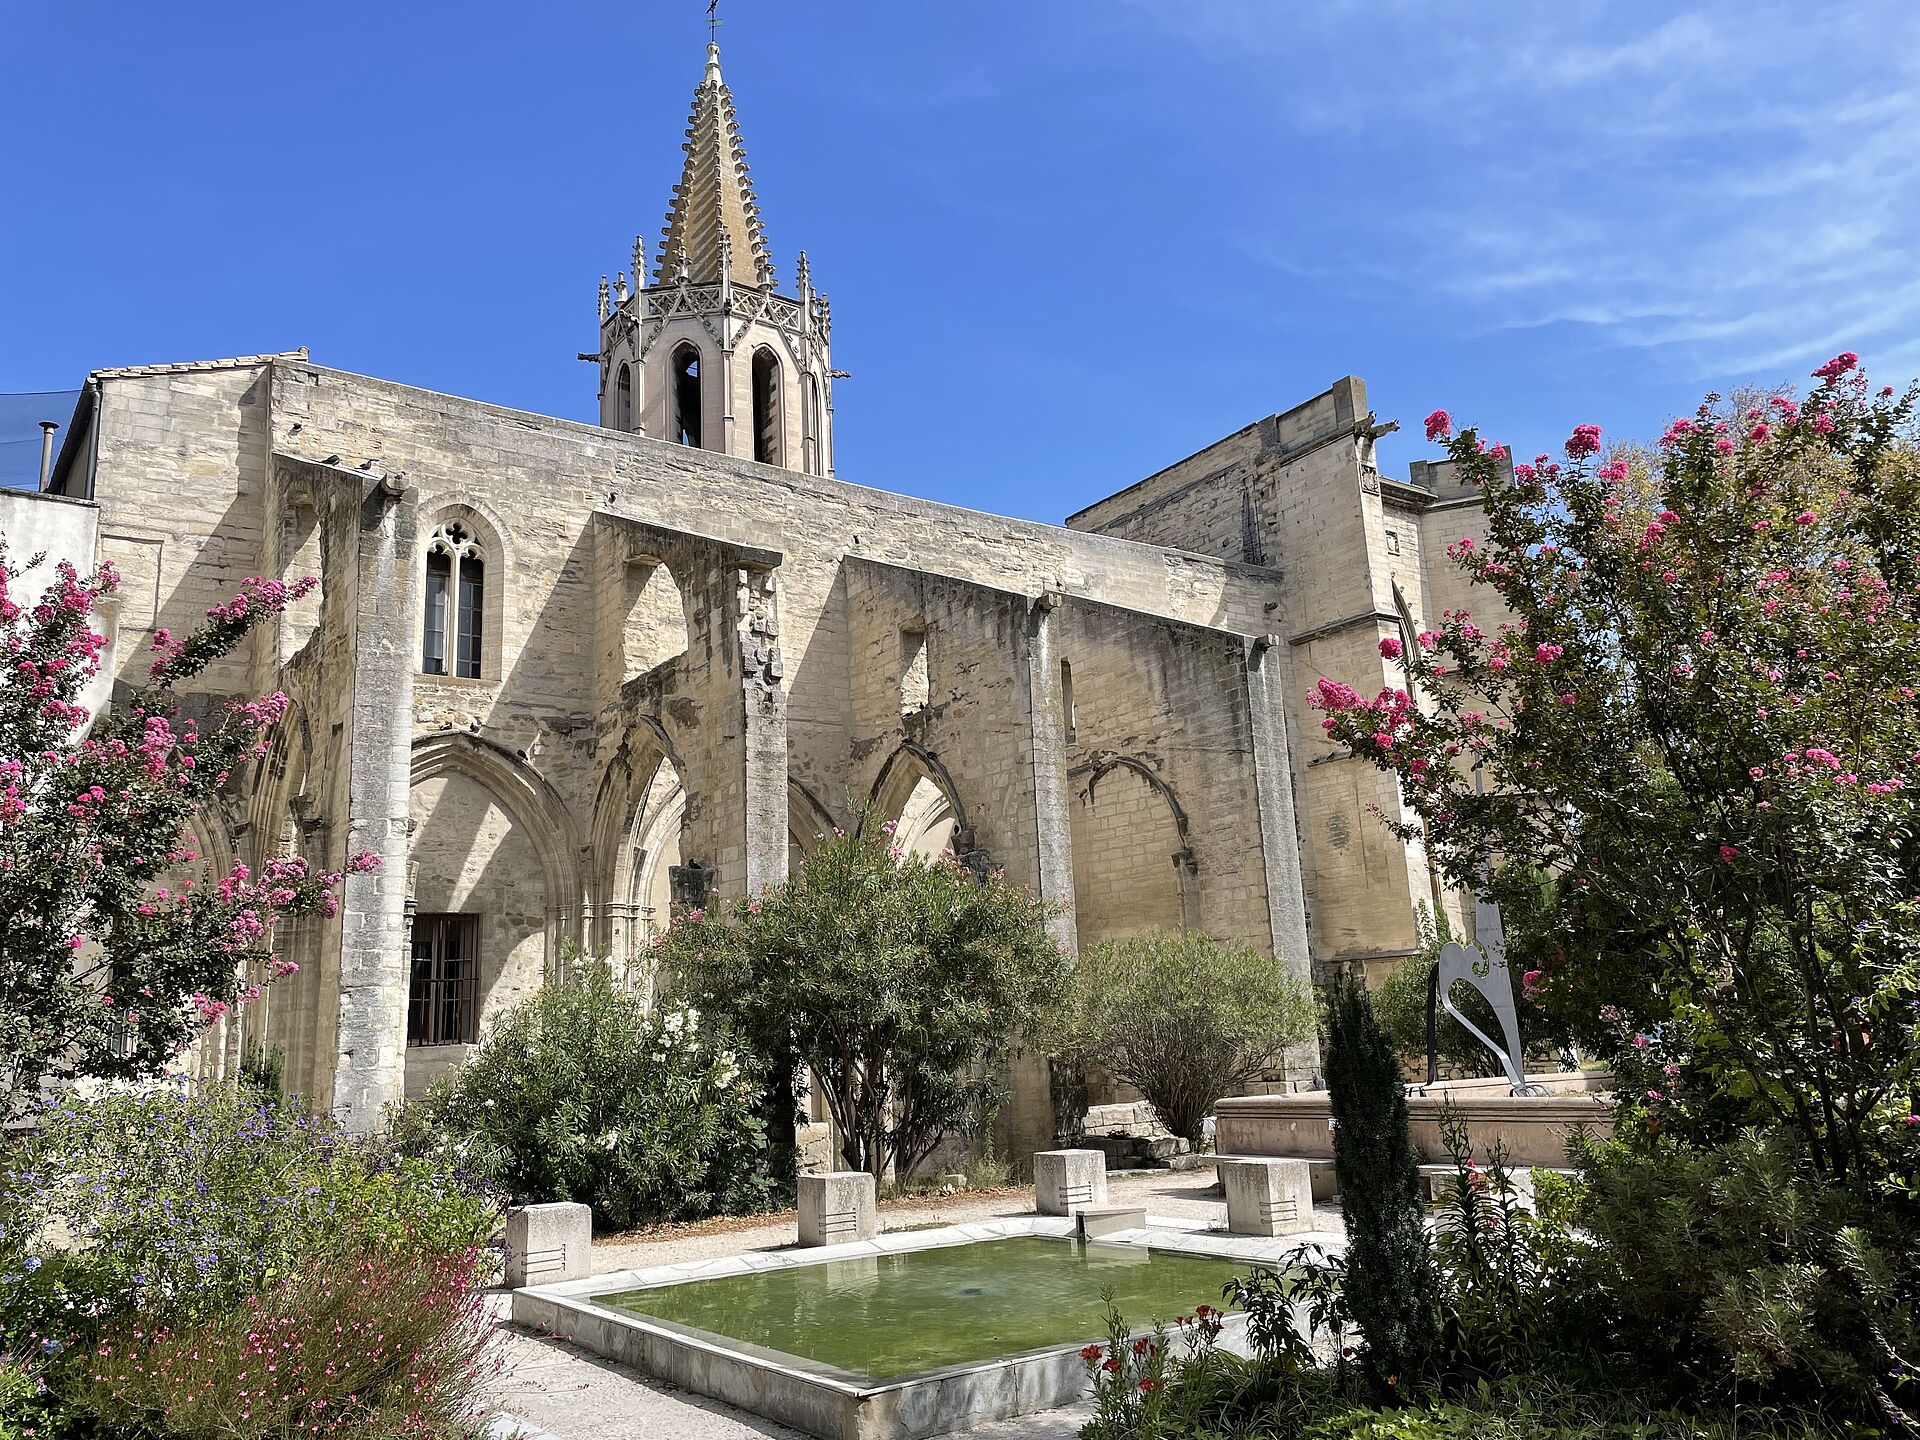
column 714, row 198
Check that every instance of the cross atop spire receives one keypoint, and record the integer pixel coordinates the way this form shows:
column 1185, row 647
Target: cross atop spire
column 714, row 199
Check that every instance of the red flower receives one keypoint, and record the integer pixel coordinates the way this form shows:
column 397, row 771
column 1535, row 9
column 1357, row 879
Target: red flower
column 1149, row 1385
column 1111, row 1366
column 1090, row 1354
column 1141, row 1347
column 1439, row 425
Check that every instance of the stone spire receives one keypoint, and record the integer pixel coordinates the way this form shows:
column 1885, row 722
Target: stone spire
column 714, row 200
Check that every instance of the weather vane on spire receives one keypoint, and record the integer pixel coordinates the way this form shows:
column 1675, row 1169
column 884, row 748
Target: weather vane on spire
column 714, row 22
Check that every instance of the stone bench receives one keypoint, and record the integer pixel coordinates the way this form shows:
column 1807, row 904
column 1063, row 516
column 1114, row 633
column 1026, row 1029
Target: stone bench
column 837, row 1207
column 1268, row 1196
column 549, row 1243
column 1068, row 1180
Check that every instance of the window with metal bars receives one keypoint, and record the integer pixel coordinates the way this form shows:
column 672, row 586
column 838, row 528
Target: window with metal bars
column 443, row 1004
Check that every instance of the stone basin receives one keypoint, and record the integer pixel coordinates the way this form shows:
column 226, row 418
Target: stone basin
column 1533, row 1128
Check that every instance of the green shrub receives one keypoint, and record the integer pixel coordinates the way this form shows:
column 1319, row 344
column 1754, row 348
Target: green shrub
column 1740, row 1266
column 1391, row 1287
column 582, row 1092
column 1540, row 1408
column 1186, row 1018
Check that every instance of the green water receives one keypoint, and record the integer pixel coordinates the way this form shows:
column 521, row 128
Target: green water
column 884, row 1316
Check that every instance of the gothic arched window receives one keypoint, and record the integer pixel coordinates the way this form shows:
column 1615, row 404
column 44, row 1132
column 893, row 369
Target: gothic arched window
column 456, row 600
column 686, row 394
column 766, row 406
column 623, row 399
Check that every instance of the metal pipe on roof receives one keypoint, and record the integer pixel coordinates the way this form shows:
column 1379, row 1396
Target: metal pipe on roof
column 47, row 427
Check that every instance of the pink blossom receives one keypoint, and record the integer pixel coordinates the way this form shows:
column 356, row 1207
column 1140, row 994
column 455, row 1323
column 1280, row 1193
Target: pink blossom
column 1546, row 654
column 1390, row 648
column 1439, row 425
column 1805, row 517
column 1759, row 433
column 1569, row 700
column 1584, row 441
column 1729, row 854
column 1837, row 366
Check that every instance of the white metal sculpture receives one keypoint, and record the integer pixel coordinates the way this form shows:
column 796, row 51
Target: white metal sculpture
column 1485, row 968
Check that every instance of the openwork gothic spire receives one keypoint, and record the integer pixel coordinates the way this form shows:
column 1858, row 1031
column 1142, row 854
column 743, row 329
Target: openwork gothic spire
column 714, row 200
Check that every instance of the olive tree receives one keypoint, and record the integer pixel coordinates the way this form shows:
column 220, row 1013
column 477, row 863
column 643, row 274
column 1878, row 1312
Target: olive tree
column 903, row 983
column 1186, row 1018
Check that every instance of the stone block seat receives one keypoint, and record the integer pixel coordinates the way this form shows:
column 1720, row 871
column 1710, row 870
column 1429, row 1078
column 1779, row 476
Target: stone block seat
column 1068, row 1180
column 1268, row 1197
column 1325, row 1179
column 837, row 1207
column 547, row 1244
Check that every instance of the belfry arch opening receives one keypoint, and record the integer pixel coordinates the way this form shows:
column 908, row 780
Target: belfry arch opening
column 623, row 398
column 686, row 394
column 766, row 407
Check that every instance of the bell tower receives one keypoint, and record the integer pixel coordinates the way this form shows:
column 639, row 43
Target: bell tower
column 701, row 348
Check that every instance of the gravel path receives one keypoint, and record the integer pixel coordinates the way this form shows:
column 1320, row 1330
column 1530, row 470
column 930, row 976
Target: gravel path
column 554, row 1387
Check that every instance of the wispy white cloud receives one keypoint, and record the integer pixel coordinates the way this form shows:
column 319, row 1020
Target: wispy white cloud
column 1730, row 189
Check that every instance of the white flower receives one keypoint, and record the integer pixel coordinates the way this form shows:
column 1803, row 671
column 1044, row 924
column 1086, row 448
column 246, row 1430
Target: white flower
column 609, row 1140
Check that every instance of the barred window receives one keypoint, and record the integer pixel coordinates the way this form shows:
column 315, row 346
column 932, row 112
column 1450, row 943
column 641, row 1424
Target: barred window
column 443, row 1001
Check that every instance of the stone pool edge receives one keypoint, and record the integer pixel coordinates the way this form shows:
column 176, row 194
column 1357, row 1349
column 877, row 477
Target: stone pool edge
column 933, row 1403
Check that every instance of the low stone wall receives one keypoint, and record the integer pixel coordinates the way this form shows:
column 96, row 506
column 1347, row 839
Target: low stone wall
column 1534, row 1129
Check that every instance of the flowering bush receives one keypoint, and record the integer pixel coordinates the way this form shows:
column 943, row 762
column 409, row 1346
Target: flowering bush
column 375, row 1347
column 171, row 1228
column 582, row 1092
column 903, row 983
column 170, row 1205
column 1700, row 717
column 1146, row 1387
column 104, row 970
column 1701, row 720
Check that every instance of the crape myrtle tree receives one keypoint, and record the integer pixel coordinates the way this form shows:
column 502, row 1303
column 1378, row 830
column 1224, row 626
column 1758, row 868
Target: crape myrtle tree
column 106, row 971
column 1700, row 721
column 904, row 983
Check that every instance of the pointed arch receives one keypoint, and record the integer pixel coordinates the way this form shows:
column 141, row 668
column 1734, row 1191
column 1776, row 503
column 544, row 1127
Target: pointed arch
column 639, row 817
column 1133, row 869
column 623, row 397
column 685, row 379
column 915, row 793
column 769, row 420
column 531, row 803
column 808, row 822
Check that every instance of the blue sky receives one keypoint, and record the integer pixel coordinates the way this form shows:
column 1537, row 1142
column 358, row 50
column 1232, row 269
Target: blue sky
column 1067, row 242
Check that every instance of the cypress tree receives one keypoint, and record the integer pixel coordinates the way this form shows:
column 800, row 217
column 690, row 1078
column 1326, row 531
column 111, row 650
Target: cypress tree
column 1391, row 1287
